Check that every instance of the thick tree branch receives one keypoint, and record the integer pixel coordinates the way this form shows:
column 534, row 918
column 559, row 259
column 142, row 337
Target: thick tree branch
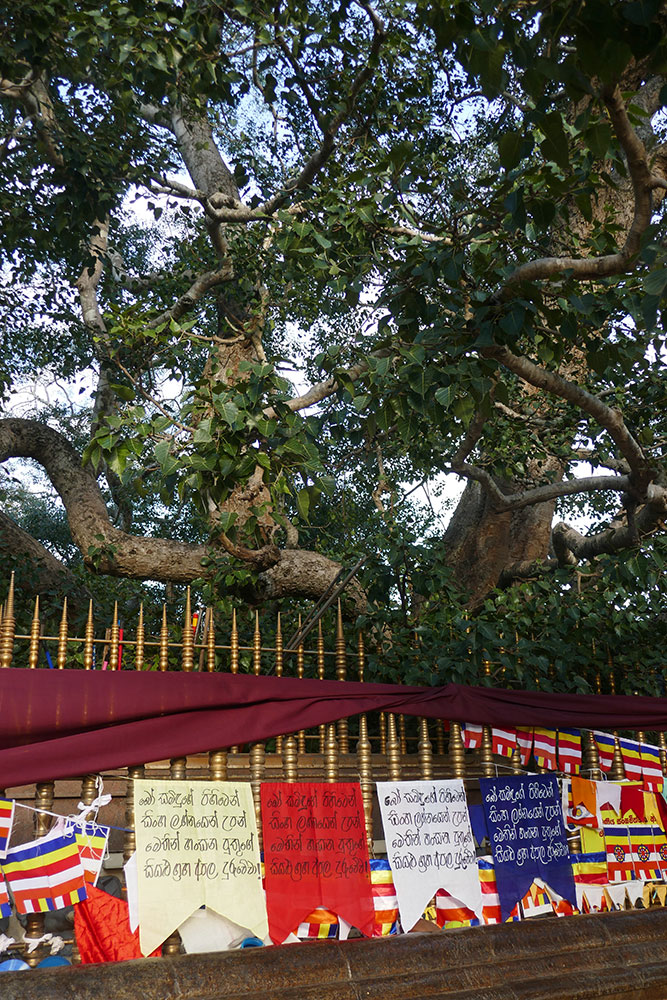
column 644, row 181
column 202, row 284
column 540, row 494
column 607, row 417
column 571, row 546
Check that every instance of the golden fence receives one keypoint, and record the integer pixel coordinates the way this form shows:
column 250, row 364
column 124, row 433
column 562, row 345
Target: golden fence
column 366, row 748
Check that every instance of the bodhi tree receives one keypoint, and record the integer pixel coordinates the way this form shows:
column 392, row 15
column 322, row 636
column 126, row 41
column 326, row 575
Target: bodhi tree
column 304, row 256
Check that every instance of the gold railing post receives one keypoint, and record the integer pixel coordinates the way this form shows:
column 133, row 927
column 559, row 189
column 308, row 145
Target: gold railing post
column 35, row 629
column 130, row 840
column 88, row 640
column 457, row 754
column 439, row 738
column 257, row 648
column 393, row 749
column 234, row 657
column 115, row 634
column 341, row 674
column 383, row 732
column 320, row 674
column 163, row 648
column 290, row 760
column 217, row 765
column 279, row 669
column 591, row 756
column 617, row 770
column 300, row 669
column 210, row 642
column 517, row 766
column 139, row 647
column 257, row 756
column 61, row 659
column 364, row 752
column 34, row 927
column 425, row 751
column 331, row 754
column 662, row 740
column 187, row 640
column 8, row 628
column 486, row 753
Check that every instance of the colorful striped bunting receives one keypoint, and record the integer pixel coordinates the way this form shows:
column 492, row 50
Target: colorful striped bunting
column 45, row 874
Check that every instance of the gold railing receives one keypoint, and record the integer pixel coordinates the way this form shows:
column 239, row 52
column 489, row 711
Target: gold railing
column 366, row 748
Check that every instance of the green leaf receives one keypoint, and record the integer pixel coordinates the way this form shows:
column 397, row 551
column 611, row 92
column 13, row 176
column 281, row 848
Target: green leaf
column 655, row 282
column 555, row 145
column 303, row 503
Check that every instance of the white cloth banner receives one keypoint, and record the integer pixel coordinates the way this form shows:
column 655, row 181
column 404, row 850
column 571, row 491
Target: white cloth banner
column 429, row 844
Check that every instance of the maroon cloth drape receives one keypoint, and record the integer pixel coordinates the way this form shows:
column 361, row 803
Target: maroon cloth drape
column 62, row 723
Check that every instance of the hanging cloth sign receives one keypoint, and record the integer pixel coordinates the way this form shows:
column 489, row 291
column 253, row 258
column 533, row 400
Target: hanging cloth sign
column 429, row 844
column 196, row 845
column 315, row 854
column 524, row 817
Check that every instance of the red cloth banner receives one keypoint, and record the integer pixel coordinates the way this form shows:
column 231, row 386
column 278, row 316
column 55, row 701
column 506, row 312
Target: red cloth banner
column 315, row 854
column 56, row 721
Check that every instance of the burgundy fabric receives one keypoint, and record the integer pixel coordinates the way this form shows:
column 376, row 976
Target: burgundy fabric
column 58, row 723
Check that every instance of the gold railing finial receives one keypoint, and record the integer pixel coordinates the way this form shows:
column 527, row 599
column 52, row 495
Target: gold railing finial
column 88, row 639
column 163, row 649
column 115, row 640
column 139, row 648
column 187, row 642
column 7, row 628
column 35, row 629
column 61, row 661
column 234, row 645
column 279, row 648
column 210, row 642
column 257, row 647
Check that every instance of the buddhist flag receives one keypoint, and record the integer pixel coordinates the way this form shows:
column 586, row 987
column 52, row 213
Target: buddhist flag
column 91, row 840
column 651, row 768
column 6, row 820
column 569, row 751
column 385, row 900
column 645, row 856
column 45, row 874
column 472, row 735
column 632, row 759
column 491, row 913
column 589, row 868
column 544, row 748
column 504, row 742
column 620, row 867
column 5, row 905
column 451, row 912
column 605, row 743
column 321, row 923
column 524, row 740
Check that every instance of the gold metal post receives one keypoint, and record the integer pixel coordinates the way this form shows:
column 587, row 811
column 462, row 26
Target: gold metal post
column 290, row 759
column 256, row 775
column 457, row 756
column 331, row 755
column 163, row 648
column 366, row 778
column 139, row 647
column 234, row 646
column 257, row 648
column 130, row 841
column 113, row 655
column 393, row 749
column 210, row 643
column 301, row 735
column 187, row 640
column 7, row 628
column 217, row 765
column 320, row 674
column 486, row 753
column 425, row 752
column 35, row 921
column 341, row 675
column 591, row 756
column 617, row 770
column 61, row 660
column 35, row 628
column 88, row 640
column 279, row 669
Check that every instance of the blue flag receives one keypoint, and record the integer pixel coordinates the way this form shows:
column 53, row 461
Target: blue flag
column 524, row 817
